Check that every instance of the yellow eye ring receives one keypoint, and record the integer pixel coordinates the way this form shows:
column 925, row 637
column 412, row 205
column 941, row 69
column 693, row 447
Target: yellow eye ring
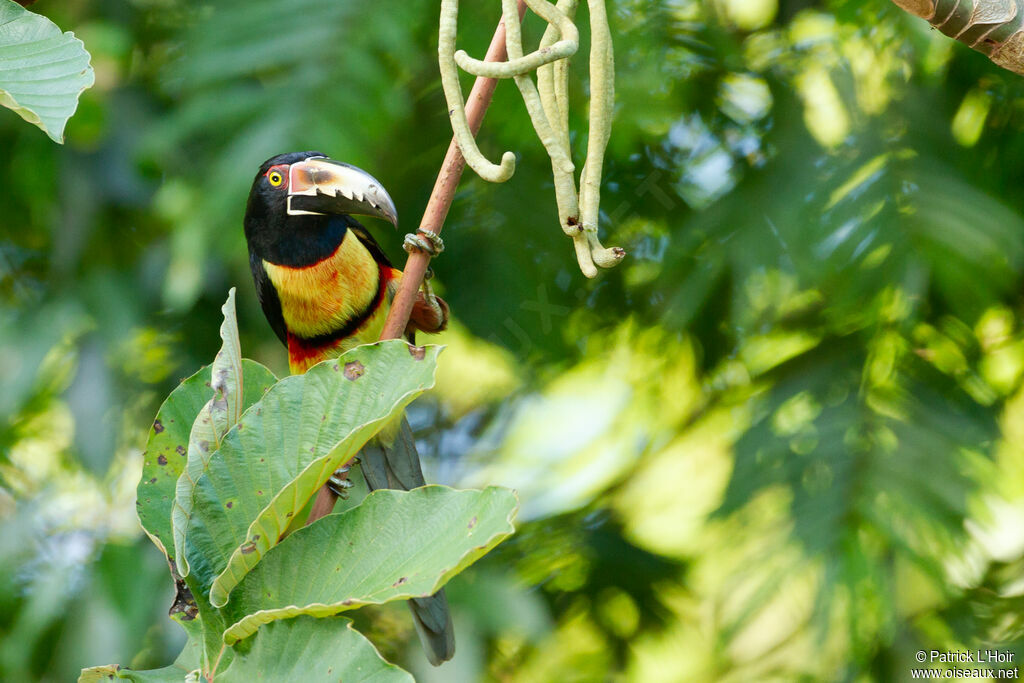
column 275, row 178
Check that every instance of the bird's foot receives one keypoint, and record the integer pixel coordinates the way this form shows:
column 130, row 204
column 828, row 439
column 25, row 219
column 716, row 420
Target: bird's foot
column 339, row 482
column 426, row 241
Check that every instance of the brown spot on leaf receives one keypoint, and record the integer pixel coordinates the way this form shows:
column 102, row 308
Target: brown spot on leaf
column 400, row 581
column 228, row 505
column 161, row 460
column 354, row 370
column 158, row 426
column 180, row 450
column 247, row 548
column 347, row 602
column 472, row 522
column 153, row 480
column 418, row 352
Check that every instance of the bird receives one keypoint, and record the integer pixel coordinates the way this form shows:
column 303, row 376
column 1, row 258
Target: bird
column 325, row 286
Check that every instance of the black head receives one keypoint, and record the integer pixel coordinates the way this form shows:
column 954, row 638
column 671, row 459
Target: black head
column 300, row 203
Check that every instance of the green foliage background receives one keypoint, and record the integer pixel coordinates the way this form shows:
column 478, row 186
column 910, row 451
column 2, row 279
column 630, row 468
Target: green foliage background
column 782, row 439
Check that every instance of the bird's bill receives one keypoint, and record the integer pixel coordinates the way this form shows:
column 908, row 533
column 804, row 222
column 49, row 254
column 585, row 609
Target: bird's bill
column 320, row 186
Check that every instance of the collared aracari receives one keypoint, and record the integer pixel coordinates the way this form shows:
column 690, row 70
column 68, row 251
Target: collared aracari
column 325, row 286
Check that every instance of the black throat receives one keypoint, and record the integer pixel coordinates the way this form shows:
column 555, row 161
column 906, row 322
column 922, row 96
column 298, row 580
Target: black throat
column 295, row 241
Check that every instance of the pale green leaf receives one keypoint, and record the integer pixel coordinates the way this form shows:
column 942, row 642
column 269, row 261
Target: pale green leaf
column 284, row 448
column 164, row 458
column 166, row 448
column 42, row 70
column 394, row 546
column 232, row 392
column 226, row 407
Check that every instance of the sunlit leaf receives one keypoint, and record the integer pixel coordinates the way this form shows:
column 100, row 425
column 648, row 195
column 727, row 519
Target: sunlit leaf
column 395, row 545
column 876, row 447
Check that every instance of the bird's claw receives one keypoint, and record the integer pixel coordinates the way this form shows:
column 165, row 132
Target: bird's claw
column 426, row 241
column 339, row 483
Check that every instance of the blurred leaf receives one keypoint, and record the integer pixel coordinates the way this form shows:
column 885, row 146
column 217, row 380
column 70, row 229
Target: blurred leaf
column 42, row 71
column 302, row 649
column 189, row 661
column 876, row 447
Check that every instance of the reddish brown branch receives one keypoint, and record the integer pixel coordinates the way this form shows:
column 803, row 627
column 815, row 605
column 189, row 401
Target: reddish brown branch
column 444, row 190
column 433, row 219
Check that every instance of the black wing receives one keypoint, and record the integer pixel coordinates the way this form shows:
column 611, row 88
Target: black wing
column 268, row 298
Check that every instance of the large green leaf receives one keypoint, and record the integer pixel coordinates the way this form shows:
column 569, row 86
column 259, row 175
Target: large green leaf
column 233, row 391
column 42, row 71
column 284, row 448
column 394, row 546
column 166, row 448
column 310, row 649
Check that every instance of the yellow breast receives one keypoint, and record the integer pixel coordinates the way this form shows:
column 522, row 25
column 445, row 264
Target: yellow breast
column 321, row 298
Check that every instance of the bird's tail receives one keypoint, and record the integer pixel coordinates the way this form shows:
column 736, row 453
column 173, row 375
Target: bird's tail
column 390, row 461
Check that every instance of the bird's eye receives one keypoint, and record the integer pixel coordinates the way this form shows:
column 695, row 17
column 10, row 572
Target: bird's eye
column 275, row 178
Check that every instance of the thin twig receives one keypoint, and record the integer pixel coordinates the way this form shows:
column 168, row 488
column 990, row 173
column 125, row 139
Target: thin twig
column 433, row 220
column 444, row 190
